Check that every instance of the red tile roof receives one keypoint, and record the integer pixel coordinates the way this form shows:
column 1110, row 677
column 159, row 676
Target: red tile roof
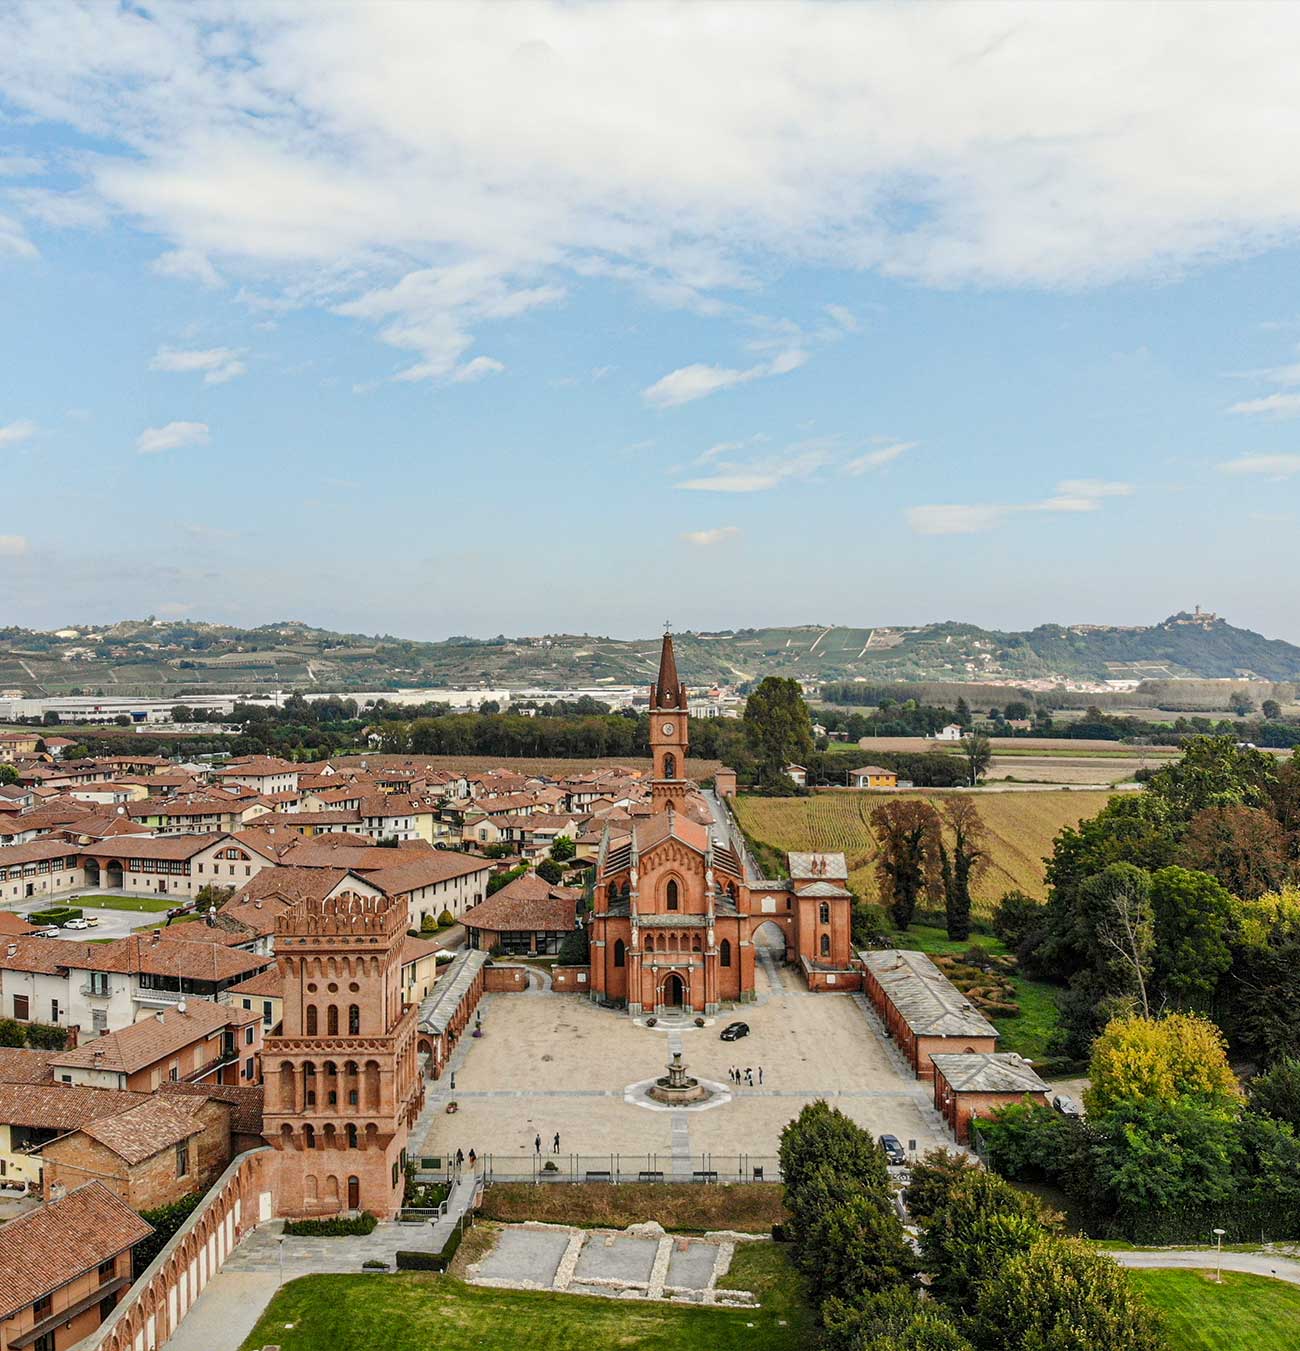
column 140, row 1132
column 151, row 1039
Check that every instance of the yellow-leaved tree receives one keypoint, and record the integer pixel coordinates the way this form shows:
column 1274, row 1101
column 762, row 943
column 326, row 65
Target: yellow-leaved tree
column 1179, row 1055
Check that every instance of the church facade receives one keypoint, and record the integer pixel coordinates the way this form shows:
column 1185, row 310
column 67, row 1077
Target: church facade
column 681, row 918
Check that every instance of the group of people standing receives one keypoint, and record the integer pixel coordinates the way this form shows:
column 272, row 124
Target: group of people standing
column 746, row 1076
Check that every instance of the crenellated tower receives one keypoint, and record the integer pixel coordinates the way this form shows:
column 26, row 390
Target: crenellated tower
column 669, row 737
column 343, row 1082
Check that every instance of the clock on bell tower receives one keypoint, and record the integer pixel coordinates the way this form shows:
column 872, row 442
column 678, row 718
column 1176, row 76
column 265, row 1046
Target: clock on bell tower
column 669, row 741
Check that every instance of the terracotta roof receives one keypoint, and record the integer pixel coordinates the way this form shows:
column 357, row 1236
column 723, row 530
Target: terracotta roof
column 61, row 1107
column 526, row 909
column 410, row 875
column 170, row 847
column 657, row 828
column 140, row 1132
column 246, row 1102
column 49, row 1247
column 319, row 853
column 872, row 769
column 416, row 949
column 166, row 957
column 21, row 1066
column 48, row 956
column 268, row 984
column 35, row 851
column 14, row 925
column 989, row 1072
column 256, row 765
column 199, row 931
column 264, row 895
column 151, row 1039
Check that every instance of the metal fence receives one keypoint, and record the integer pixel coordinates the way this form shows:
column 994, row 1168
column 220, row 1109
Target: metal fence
column 622, row 1168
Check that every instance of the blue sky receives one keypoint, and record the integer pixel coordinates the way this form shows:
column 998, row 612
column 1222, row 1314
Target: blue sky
column 442, row 319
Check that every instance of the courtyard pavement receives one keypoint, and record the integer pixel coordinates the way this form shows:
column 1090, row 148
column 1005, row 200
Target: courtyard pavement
column 549, row 1063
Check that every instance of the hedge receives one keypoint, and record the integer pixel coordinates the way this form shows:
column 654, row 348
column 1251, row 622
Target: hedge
column 333, row 1228
column 56, row 914
column 432, row 1261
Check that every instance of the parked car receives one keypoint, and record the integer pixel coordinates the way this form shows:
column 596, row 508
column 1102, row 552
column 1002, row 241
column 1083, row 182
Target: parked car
column 76, row 922
column 734, row 1031
column 50, row 931
column 894, row 1150
column 92, row 921
column 1066, row 1105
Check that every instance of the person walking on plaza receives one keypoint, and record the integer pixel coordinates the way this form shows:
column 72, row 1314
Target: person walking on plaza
column 460, row 1160
column 760, row 1076
column 473, row 1159
column 749, row 1076
column 537, row 1144
column 555, row 1145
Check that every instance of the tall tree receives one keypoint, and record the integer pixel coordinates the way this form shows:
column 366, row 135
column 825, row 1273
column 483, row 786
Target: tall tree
column 978, row 753
column 1193, row 917
column 909, row 835
column 1244, row 847
column 961, row 862
column 778, row 727
column 1181, row 1055
column 1116, row 906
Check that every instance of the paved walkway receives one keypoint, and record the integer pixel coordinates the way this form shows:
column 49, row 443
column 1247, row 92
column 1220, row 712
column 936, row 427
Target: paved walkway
column 1207, row 1259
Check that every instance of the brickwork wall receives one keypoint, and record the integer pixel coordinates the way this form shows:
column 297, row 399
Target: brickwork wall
column 504, row 979
column 243, row 1197
column 571, row 979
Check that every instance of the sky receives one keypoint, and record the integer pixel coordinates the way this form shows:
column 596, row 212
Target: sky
column 476, row 319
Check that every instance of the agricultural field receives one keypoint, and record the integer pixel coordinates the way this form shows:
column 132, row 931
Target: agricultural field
column 1021, row 827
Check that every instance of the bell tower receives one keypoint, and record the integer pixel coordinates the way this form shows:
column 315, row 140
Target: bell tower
column 669, row 740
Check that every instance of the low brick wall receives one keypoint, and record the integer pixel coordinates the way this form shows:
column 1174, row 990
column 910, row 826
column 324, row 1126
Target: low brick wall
column 151, row 1310
column 571, row 979
column 504, row 979
column 824, row 982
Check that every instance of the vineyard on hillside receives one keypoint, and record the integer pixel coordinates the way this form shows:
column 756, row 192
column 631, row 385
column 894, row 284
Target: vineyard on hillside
column 1021, row 829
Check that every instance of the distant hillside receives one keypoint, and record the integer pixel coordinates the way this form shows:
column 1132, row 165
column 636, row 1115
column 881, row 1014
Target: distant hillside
column 152, row 657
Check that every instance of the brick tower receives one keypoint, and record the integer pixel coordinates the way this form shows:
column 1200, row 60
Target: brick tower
column 343, row 1085
column 669, row 741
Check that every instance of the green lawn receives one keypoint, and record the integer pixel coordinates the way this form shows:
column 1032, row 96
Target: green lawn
column 144, row 904
column 1030, row 1030
column 1245, row 1313
column 409, row 1312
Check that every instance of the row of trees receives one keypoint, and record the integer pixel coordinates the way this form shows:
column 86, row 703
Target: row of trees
column 930, row 857
column 1000, row 1274
column 1181, row 897
column 1171, row 1148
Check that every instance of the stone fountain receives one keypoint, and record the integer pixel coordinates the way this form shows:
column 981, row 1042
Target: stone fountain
column 677, row 1088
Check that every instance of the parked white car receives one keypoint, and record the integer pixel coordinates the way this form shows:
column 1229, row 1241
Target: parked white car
column 76, row 922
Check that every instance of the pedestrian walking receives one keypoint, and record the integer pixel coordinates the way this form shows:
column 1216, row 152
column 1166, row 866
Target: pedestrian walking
column 760, row 1076
column 473, row 1159
column 460, row 1159
column 555, row 1146
column 749, row 1076
column 537, row 1143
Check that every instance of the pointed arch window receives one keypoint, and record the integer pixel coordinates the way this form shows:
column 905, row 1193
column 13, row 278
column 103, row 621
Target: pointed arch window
column 312, row 1017
column 825, row 910
column 620, row 953
column 826, row 945
column 672, row 894
column 724, row 952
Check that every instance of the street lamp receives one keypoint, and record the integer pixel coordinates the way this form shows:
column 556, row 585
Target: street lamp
column 1218, row 1268
column 281, row 1259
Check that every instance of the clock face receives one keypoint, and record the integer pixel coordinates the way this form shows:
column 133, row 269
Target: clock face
column 668, row 729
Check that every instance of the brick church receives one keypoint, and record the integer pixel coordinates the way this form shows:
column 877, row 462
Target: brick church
column 679, row 916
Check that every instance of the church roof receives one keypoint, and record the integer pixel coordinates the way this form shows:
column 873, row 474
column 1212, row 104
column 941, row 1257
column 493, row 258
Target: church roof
column 807, row 867
column 665, row 824
column 668, row 665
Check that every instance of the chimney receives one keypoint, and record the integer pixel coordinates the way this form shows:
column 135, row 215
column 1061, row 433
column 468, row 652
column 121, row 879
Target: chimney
column 57, row 1191
column 159, row 1016
column 180, row 1008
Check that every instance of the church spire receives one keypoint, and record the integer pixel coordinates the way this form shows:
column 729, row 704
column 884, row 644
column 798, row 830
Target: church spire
column 667, row 691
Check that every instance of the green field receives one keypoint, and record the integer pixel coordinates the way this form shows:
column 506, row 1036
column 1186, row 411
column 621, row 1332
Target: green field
column 407, row 1312
column 1245, row 1313
column 1029, row 1031
column 150, row 905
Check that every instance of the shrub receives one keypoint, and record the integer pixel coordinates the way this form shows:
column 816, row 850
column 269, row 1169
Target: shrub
column 12, row 1033
column 933, row 1178
column 166, row 1220
column 1016, row 914
column 550, row 871
column 337, row 1227
column 46, row 1037
column 417, row 1261
column 446, row 918
column 374, row 1264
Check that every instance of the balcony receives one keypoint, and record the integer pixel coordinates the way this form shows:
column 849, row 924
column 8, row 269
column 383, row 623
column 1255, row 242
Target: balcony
column 96, row 991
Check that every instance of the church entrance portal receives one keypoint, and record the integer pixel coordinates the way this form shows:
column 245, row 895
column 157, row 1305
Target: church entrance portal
column 674, row 992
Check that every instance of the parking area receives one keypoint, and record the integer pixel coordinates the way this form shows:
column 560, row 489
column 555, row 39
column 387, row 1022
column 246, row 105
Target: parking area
column 112, row 923
column 549, row 1063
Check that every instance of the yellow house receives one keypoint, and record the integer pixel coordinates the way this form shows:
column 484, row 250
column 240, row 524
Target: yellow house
column 419, row 968
column 873, row 776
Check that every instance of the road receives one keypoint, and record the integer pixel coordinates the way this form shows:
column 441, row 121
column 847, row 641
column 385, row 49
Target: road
column 1206, row 1259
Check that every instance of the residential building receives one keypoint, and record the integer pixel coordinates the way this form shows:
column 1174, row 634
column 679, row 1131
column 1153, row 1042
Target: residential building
column 33, row 1114
column 41, row 867
column 968, row 1086
column 65, row 1267
column 873, row 776
column 178, row 865
column 527, row 915
column 262, row 773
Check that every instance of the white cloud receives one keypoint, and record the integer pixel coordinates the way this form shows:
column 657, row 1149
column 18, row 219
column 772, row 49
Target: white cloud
column 14, row 432
column 188, row 265
column 13, row 240
column 62, row 210
column 217, row 364
column 1274, row 466
column 844, row 317
column 688, row 383
column 1072, row 495
column 877, row 459
column 714, row 536
column 19, row 164
column 283, row 140
column 477, row 369
column 756, row 475
column 13, row 546
column 1279, row 405
column 173, row 436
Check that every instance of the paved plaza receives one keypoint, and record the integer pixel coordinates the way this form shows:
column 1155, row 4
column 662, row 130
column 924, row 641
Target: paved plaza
column 638, row 1263
column 549, row 1063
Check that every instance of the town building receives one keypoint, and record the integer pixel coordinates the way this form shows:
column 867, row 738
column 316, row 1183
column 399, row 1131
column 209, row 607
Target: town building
column 65, row 1267
column 678, row 911
column 873, row 776
column 527, row 916
column 343, row 1082
column 968, row 1086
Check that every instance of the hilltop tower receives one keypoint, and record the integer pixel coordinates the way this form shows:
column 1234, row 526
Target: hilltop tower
column 669, row 739
column 343, row 1084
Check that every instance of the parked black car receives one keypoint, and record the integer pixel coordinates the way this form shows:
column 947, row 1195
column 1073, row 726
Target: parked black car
column 734, row 1031
column 894, row 1150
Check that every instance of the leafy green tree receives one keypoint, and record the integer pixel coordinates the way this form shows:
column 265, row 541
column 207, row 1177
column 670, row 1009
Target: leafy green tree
column 563, row 849
column 961, row 862
column 1193, row 918
column 892, row 1320
column 932, row 1178
column 962, row 714
column 8, row 774
column 1016, row 914
column 778, row 727
column 550, row 871
column 1271, row 709
column 1030, row 1142
column 1213, row 771
column 821, row 1136
column 1245, row 848
column 1159, row 1060
column 1276, row 1092
column 978, row 753
column 857, row 1247
column 1061, row 1295
column 575, row 947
